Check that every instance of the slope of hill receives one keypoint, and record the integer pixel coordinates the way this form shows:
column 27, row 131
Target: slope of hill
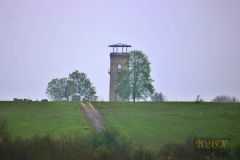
column 41, row 118
column 156, row 124
column 147, row 123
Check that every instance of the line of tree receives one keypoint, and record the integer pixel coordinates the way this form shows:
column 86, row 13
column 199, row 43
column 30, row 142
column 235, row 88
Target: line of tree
column 134, row 81
column 225, row 98
column 62, row 88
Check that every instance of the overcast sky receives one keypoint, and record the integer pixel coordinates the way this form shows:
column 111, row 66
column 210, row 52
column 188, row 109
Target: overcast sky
column 193, row 45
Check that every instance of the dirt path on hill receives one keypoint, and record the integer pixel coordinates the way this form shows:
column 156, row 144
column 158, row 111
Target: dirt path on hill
column 93, row 116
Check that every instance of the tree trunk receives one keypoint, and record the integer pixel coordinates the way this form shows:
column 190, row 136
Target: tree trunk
column 134, row 96
column 134, row 86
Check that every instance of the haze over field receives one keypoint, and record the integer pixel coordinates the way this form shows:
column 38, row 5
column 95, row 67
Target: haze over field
column 193, row 45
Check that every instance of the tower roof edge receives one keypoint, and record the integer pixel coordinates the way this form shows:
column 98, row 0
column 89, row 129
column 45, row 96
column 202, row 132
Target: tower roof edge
column 119, row 45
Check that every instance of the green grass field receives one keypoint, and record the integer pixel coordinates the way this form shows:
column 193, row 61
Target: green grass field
column 156, row 124
column 151, row 124
column 41, row 118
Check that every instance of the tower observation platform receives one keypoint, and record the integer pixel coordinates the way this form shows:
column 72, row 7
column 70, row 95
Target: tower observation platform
column 120, row 48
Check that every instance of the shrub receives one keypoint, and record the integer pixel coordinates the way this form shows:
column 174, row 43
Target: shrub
column 107, row 145
column 158, row 97
column 44, row 100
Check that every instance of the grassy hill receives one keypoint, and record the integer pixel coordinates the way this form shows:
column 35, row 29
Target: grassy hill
column 156, row 124
column 41, row 118
column 151, row 124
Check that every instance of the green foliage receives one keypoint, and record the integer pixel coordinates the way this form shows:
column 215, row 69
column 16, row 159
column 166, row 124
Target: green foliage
column 107, row 145
column 62, row 88
column 158, row 97
column 123, row 88
column 178, row 152
column 4, row 135
column 225, row 98
column 134, row 81
column 185, row 151
column 83, row 85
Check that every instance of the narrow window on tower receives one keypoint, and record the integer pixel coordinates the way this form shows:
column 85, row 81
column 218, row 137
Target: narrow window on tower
column 119, row 66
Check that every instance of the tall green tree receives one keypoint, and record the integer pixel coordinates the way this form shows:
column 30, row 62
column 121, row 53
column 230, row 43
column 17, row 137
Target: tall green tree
column 60, row 88
column 83, row 85
column 134, row 81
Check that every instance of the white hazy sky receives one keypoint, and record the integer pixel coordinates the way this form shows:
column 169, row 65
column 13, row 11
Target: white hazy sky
column 193, row 45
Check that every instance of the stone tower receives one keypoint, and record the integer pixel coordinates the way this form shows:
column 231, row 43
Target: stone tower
column 118, row 58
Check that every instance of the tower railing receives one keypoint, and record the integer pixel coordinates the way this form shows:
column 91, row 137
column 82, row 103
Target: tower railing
column 119, row 48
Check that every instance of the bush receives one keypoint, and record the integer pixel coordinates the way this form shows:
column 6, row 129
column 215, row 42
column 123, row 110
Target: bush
column 107, row 145
column 188, row 151
column 17, row 100
column 158, row 97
